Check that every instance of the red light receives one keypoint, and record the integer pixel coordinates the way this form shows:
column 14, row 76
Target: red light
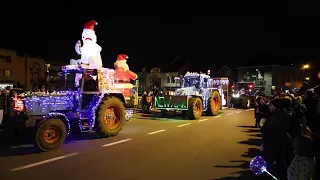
column 18, row 104
column 250, row 86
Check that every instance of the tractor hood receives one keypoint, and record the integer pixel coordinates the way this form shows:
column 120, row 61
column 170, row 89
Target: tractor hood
column 188, row 91
column 43, row 104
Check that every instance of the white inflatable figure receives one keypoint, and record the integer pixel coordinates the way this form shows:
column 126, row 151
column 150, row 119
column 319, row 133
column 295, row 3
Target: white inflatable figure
column 90, row 50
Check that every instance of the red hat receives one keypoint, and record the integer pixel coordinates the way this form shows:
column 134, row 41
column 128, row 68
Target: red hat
column 90, row 25
column 122, row 57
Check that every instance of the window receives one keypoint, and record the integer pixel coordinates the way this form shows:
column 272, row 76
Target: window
column 90, row 80
column 7, row 72
column 1, row 72
column 8, row 59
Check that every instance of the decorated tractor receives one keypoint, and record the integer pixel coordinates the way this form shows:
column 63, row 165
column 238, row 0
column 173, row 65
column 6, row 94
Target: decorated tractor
column 195, row 97
column 245, row 94
column 86, row 100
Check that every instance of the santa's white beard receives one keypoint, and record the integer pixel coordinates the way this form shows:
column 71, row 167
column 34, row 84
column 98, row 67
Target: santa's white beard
column 123, row 65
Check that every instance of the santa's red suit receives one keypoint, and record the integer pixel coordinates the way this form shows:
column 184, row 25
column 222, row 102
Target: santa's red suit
column 123, row 76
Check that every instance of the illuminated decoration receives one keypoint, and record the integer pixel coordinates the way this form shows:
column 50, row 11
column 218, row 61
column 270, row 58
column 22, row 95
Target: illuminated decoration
column 90, row 50
column 129, row 114
column 259, row 166
column 55, row 114
column 106, row 79
column 123, row 76
column 171, row 102
column 219, row 82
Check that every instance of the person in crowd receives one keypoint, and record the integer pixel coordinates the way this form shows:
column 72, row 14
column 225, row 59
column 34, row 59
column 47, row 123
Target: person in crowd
column 144, row 101
column 149, row 101
column 262, row 110
column 302, row 166
column 274, row 135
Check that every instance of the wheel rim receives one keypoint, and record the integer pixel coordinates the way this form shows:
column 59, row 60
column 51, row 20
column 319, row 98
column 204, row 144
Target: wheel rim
column 51, row 135
column 112, row 117
column 248, row 103
column 215, row 103
column 198, row 108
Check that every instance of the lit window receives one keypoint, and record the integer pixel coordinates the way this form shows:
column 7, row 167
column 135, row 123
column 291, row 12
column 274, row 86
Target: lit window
column 7, row 72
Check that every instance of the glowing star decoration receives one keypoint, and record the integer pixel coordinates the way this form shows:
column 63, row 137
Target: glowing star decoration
column 259, row 166
column 123, row 76
column 90, row 50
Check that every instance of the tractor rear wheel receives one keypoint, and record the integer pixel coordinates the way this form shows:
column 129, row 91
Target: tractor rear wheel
column 110, row 117
column 214, row 104
column 195, row 108
column 246, row 102
column 50, row 134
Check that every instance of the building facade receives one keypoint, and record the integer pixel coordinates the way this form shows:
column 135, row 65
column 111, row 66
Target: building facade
column 271, row 76
column 21, row 71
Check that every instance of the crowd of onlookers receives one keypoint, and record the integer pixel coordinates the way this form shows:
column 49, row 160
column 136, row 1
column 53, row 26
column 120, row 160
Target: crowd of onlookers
column 290, row 128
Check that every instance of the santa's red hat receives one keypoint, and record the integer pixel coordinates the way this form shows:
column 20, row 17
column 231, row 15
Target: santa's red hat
column 90, row 25
column 122, row 57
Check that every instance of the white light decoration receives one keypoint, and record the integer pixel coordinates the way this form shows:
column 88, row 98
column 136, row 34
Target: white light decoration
column 90, row 50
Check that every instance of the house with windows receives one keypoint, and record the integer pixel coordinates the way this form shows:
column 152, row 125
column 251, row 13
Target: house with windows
column 21, row 71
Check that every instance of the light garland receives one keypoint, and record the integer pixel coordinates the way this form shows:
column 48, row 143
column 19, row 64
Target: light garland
column 106, row 79
column 55, row 114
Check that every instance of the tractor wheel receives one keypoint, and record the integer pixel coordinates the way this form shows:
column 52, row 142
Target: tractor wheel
column 110, row 117
column 246, row 102
column 195, row 108
column 50, row 134
column 214, row 104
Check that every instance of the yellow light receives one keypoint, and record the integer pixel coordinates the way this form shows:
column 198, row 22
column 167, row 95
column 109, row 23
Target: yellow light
column 307, row 78
column 306, row 66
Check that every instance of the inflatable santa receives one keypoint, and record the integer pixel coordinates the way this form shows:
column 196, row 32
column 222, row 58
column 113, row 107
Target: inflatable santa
column 123, row 76
column 90, row 50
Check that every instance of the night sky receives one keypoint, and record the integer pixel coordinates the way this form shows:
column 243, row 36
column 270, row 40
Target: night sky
column 208, row 41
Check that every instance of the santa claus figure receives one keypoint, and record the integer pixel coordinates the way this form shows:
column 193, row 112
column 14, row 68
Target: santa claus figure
column 123, row 76
column 90, row 50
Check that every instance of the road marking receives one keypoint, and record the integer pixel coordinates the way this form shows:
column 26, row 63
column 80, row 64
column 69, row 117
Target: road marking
column 238, row 112
column 229, row 114
column 186, row 124
column 44, row 162
column 248, row 110
column 203, row 120
column 217, row 116
column 155, row 132
column 117, row 142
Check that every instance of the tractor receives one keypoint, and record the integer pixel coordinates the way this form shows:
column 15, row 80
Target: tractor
column 86, row 100
column 245, row 94
column 195, row 97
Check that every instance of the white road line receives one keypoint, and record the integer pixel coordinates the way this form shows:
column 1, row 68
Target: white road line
column 248, row 110
column 155, row 132
column 217, row 116
column 238, row 112
column 203, row 120
column 117, row 142
column 44, row 162
column 186, row 124
column 229, row 114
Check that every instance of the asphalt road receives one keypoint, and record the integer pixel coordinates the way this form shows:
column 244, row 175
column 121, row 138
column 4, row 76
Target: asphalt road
column 218, row 147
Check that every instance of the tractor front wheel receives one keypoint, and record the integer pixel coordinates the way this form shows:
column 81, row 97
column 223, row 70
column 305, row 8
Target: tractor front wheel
column 110, row 117
column 195, row 108
column 50, row 134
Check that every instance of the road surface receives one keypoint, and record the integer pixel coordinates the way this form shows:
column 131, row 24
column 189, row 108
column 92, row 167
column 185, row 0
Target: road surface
column 218, row 147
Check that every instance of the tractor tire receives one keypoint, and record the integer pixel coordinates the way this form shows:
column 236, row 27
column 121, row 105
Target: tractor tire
column 194, row 108
column 110, row 117
column 246, row 102
column 50, row 134
column 214, row 104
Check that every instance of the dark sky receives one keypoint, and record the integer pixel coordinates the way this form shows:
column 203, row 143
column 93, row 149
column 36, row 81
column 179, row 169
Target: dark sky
column 293, row 34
